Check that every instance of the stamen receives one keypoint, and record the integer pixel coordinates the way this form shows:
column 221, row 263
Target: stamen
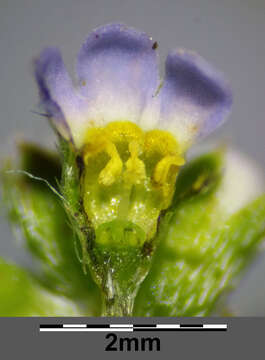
column 162, row 170
column 98, row 142
column 135, row 168
column 113, row 169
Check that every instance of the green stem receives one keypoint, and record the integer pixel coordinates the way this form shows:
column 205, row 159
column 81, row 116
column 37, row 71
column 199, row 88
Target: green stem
column 117, row 301
column 118, row 306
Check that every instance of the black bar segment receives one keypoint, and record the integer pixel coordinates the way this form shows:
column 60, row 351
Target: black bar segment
column 191, row 325
column 98, row 326
column 53, row 326
column 144, row 325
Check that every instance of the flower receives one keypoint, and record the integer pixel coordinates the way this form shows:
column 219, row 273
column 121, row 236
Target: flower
column 122, row 138
column 131, row 131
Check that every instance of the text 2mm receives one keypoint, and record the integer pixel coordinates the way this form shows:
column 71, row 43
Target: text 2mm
column 132, row 343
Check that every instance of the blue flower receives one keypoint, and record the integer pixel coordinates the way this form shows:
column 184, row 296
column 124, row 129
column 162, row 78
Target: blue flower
column 118, row 80
column 131, row 131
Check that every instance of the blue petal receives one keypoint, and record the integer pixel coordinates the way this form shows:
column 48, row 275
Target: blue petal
column 117, row 72
column 57, row 95
column 195, row 98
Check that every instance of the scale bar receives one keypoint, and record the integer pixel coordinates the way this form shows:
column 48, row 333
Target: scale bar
column 131, row 327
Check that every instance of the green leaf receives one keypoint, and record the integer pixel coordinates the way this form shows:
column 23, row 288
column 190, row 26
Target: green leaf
column 22, row 295
column 39, row 214
column 41, row 163
column 201, row 251
column 199, row 177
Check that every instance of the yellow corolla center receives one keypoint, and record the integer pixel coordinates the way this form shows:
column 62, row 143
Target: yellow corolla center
column 129, row 173
column 155, row 144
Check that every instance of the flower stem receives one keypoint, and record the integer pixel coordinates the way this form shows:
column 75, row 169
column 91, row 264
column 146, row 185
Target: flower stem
column 118, row 306
column 116, row 300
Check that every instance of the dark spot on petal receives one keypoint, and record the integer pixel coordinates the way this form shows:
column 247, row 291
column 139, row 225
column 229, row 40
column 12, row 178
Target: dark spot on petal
column 97, row 36
column 155, row 45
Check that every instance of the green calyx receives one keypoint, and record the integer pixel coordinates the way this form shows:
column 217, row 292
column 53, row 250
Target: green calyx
column 117, row 252
column 119, row 263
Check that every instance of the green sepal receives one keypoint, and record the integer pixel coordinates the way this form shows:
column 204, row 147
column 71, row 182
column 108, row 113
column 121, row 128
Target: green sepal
column 72, row 167
column 201, row 251
column 38, row 212
column 22, row 295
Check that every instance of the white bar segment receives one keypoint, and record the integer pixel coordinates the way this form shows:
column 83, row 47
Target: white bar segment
column 215, row 326
column 121, row 325
column 168, row 326
column 74, row 325
column 85, row 329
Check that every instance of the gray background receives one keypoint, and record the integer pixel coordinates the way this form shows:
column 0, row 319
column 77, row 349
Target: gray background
column 228, row 33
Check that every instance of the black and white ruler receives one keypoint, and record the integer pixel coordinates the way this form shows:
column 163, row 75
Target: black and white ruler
column 131, row 327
